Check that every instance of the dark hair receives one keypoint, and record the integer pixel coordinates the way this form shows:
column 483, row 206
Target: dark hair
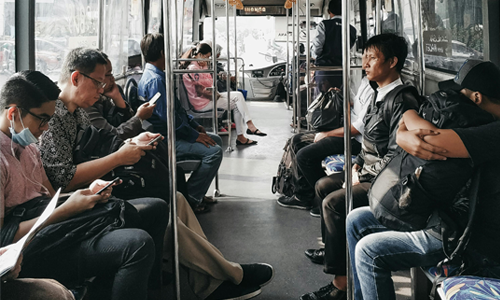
column 335, row 7
column 152, row 44
column 390, row 45
column 28, row 89
column 81, row 59
column 193, row 51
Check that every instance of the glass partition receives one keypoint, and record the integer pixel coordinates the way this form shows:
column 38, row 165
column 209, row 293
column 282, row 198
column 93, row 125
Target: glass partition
column 7, row 41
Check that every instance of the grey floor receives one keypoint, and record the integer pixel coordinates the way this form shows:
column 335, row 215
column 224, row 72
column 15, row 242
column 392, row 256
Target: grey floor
column 248, row 226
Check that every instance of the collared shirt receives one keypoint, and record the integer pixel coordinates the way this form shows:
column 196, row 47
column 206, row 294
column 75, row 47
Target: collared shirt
column 153, row 81
column 361, row 102
column 22, row 175
column 382, row 92
column 57, row 144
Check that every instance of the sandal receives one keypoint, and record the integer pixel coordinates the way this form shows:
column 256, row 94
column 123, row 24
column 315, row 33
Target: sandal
column 246, row 143
column 256, row 132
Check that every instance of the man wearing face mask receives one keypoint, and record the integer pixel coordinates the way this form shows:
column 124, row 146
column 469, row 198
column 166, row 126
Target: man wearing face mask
column 112, row 112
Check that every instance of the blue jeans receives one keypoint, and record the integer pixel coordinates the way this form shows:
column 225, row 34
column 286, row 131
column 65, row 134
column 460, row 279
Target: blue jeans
column 211, row 158
column 375, row 251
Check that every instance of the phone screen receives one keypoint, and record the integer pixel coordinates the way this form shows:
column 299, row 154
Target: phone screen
column 155, row 98
column 154, row 140
column 108, row 185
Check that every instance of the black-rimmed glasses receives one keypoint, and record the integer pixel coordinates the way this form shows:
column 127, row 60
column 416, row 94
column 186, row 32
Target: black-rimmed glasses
column 43, row 120
column 98, row 84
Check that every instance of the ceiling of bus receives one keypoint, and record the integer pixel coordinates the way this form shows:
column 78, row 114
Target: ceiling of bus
column 316, row 6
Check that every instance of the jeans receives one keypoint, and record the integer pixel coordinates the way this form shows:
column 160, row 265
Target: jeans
column 333, row 218
column 121, row 259
column 211, row 158
column 376, row 251
column 309, row 156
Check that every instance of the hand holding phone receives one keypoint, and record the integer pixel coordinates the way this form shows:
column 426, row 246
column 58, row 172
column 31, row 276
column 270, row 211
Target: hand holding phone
column 154, row 140
column 108, row 185
column 209, row 88
column 155, row 98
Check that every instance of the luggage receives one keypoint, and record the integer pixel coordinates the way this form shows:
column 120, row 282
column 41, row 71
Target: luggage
column 283, row 182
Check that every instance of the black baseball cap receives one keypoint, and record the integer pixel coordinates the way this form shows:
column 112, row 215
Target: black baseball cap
column 476, row 75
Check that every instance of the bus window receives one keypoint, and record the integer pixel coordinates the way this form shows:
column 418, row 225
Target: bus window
column 154, row 16
column 453, row 32
column 7, row 42
column 61, row 25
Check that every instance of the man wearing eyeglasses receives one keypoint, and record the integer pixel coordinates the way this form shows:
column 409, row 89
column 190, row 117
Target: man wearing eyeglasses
column 82, row 82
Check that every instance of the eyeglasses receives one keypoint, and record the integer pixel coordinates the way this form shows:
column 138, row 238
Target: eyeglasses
column 98, row 84
column 43, row 120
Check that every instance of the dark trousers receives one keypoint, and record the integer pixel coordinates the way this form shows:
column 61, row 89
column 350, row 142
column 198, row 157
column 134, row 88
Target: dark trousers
column 121, row 259
column 333, row 218
column 309, row 156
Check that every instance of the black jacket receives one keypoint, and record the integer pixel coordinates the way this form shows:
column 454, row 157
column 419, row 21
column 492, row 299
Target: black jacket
column 381, row 123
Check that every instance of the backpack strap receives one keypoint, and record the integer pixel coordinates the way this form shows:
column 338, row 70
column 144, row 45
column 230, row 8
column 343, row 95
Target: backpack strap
column 390, row 98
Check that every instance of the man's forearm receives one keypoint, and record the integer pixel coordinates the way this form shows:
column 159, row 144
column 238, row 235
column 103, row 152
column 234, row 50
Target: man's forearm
column 89, row 171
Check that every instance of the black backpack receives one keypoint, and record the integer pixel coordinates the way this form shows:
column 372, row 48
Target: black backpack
column 283, row 182
column 146, row 178
column 407, row 191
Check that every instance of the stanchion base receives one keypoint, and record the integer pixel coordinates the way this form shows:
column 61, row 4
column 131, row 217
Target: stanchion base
column 229, row 149
column 217, row 193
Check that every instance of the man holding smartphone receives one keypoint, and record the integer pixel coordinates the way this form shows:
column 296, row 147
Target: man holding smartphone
column 191, row 138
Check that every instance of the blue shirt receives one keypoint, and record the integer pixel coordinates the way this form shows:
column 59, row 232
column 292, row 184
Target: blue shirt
column 153, row 81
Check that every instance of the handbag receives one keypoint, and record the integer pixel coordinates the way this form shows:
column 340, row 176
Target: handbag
column 325, row 112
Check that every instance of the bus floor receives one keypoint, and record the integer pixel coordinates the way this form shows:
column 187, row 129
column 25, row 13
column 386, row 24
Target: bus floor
column 248, row 226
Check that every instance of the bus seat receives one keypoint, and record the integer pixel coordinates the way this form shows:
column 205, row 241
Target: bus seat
column 188, row 164
column 183, row 96
column 131, row 93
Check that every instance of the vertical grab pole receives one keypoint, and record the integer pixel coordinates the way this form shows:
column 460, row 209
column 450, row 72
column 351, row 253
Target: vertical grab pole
column 215, row 120
column 228, row 80
column 294, row 94
column 176, row 18
column 297, row 69
column 308, row 56
column 347, row 125
column 287, row 70
column 378, row 17
column 181, row 44
column 420, row 48
column 235, row 50
column 169, row 83
column 100, row 26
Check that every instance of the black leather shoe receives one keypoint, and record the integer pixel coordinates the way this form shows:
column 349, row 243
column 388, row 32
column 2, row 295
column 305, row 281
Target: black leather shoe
column 317, row 256
column 328, row 292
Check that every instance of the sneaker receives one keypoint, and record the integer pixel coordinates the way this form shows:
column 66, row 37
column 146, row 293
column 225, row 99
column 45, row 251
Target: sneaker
column 230, row 291
column 317, row 256
column 315, row 212
column 293, row 202
column 258, row 274
column 328, row 292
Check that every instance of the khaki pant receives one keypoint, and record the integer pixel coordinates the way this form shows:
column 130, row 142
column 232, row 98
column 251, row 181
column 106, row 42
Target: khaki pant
column 34, row 289
column 206, row 266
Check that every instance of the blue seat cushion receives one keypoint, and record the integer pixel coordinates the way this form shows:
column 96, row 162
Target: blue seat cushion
column 334, row 163
column 471, row 287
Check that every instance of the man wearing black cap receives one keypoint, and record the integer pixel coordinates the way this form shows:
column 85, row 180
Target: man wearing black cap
column 375, row 250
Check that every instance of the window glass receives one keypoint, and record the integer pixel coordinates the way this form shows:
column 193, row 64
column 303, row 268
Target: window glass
column 154, row 16
column 61, row 25
column 452, row 32
column 7, row 41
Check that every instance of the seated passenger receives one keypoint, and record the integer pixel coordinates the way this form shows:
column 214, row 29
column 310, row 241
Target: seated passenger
column 311, row 148
column 201, row 97
column 31, row 288
column 113, row 113
column 121, row 258
column 385, row 55
column 82, row 82
column 375, row 250
column 191, row 138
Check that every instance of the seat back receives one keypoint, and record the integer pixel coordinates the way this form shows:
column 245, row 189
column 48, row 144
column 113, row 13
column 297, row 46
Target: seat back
column 131, row 93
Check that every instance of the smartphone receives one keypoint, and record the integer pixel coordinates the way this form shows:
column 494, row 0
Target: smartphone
column 154, row 140
column 209, row 88
column 155, row 98
column 108, row 185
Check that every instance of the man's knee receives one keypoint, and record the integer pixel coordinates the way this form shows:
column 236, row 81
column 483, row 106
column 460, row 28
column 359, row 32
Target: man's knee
column 334, row 202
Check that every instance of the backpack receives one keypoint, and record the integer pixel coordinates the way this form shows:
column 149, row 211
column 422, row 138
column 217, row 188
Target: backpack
column 146, row 178
column 407, row 191
column 326, row 112
column 283, row 182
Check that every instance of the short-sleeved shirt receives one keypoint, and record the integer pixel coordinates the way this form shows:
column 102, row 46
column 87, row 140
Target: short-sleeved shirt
column 58, row 142
column 22, row 174
column 360, row 104
column 483, row 145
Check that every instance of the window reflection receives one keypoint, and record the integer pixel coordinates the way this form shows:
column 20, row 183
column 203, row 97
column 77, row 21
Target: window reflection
column 7, row 42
